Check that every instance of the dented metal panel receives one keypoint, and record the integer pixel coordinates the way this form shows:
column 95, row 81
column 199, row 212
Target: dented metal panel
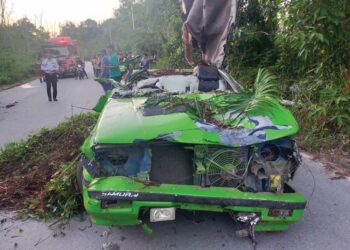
column 123, row 122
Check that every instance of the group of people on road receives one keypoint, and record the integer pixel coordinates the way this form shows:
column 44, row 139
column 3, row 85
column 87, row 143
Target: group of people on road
column 106, row 64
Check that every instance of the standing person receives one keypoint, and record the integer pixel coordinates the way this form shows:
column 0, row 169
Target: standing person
column 104, row 64
column 105, row 70
column 154, row 56
column 120, row 56
column 81, row 62
column 129, row 56
column 145, row 62
column 94, row 64
column 98, row 65
column 50, row 68
column 114, row 71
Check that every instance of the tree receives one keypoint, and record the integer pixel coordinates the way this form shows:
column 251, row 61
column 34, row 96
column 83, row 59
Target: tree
column 252, row 43
column 2, row 12
column 68, row 29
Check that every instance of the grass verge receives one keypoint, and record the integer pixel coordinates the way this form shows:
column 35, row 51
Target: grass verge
column 14, row 67
column 37, row 175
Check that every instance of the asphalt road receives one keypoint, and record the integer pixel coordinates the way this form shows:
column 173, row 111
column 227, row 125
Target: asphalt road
column 325, row 224
column 29, row 109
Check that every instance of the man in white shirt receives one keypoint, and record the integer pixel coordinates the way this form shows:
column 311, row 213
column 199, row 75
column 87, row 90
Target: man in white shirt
column 50, row 68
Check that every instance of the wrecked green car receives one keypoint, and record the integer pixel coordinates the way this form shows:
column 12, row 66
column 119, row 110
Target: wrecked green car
column 193, row 141
column 169, row 143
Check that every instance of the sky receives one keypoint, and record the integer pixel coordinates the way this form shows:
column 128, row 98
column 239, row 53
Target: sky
column 54, row 12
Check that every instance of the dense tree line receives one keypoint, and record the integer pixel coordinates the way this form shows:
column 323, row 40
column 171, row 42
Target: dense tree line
column 307, row 45
column 19, row 46
column 138, row 26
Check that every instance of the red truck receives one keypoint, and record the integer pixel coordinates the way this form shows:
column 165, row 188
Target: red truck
column 65, row 50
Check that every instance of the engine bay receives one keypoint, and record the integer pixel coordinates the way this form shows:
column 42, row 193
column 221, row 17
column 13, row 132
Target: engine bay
column 264, row 167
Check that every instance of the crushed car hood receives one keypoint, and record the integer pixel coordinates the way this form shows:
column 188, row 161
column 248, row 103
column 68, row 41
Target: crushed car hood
column 122, row 122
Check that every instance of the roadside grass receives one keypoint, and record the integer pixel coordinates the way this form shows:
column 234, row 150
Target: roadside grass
column 37, row 175
column 161, row 63
column 14, row 67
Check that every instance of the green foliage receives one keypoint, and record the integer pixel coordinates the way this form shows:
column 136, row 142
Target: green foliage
column 92, row 36
column 155, row 24
column 162, row 63
column 252, row 44
column 265, row 94
column 19, row 46
column 156, row 29
column 62, row 197
column 16, row 66
column 40, row 145
column 306, row 45
column 333, row 112
column 173, row 50
column 42, row 169
column 315, row 34
column 324, row 117
column 314, row 51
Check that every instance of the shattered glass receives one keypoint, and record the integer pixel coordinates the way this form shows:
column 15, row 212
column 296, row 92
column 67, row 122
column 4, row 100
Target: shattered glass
column 124, row 161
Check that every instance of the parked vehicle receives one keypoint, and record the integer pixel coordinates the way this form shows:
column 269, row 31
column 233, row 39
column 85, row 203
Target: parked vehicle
column 65, row 50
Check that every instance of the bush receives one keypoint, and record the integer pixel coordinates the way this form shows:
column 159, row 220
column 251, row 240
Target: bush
column 37, row 175
column 306, row 45
column 16, row 66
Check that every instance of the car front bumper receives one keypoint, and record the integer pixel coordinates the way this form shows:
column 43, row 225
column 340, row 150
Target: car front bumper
column 129, row 197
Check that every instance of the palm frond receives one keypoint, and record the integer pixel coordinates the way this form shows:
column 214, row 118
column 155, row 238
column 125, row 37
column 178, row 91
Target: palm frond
column 264, row 95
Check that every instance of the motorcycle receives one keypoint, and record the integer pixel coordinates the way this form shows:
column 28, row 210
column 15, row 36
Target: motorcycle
column 79, row 74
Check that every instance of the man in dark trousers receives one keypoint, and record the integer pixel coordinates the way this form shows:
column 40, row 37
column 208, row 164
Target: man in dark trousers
column 50, row 68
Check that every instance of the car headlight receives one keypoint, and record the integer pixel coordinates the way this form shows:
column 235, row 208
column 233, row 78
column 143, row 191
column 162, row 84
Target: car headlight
column 162, row 214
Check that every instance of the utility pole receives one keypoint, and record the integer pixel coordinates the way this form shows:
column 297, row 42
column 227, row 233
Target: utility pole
column 132, row 17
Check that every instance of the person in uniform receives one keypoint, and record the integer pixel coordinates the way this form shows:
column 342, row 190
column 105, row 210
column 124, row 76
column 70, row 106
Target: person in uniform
column 50, row 68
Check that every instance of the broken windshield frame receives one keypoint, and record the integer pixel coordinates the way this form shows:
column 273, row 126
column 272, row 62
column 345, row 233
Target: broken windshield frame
column 184, row 84
column 236, row 87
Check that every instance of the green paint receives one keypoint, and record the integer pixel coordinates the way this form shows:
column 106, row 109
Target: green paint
column 122, row 122
column 126, row 213
column 133, row 126
column 147, row 229
column 102, row 101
